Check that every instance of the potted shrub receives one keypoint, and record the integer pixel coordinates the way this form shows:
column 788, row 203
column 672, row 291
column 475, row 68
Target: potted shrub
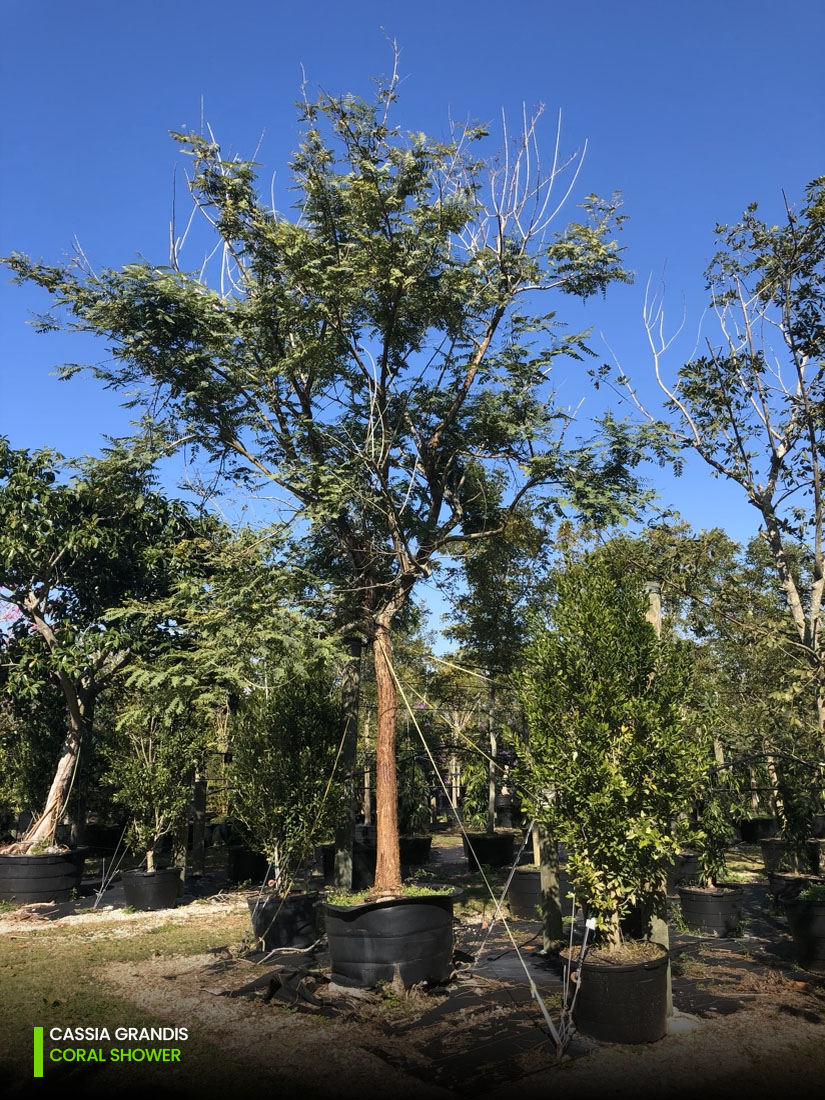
column 806, row 920
column 285, row 738
column 795, row 850
column 409, row 937
column 482, row 844
column 712, row 906
column 610, row 766
column 30, row 737
column 158, row 744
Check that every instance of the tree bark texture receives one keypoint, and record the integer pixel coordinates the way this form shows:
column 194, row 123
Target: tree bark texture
column 387, row 863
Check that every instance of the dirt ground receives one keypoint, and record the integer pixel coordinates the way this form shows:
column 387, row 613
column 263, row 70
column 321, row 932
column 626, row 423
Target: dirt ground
column 746, row 1017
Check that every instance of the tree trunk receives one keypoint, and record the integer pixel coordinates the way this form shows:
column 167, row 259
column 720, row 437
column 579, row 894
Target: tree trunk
column 199, row 824
column 754, row 789
column 179, row 853
column 43, row 829
column 387, row 862
column 350, row 689
column 550, row 900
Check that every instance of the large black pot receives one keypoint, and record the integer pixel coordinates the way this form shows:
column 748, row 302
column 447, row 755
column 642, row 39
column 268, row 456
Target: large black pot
column 685, row 869
column 524, row 894
column 806, row 920
column 508, row 811
column 45, row 876
column 415, row 850
column 283, row 922
column 713, row 912
column 815, row 847
column 412, row 937
column 151, row 889
column 787, row 886
column 622, row 1002
column 363, row 864
column 774, row 854
column 489, row 849
column 104, row 840
column 246, row 865
column 754, row 829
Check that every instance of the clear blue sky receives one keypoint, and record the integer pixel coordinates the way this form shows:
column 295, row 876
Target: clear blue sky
column 692, row 110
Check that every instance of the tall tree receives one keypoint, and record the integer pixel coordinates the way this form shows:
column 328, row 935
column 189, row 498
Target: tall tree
column 750, row 407
column 70, row 551
column 378, row 353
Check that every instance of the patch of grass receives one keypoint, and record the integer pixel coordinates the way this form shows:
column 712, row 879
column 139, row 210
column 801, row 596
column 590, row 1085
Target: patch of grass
column 409, row 890
column 52, row 977
column 744, row 863
column 685, row 965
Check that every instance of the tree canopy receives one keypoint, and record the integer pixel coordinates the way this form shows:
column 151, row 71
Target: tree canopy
column 750, row 406
column 379, row 352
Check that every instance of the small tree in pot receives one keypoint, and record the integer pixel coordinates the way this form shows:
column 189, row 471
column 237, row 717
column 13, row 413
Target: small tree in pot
column 608, row 754
column 158, row 745
column 608, row 739
column 285, row 745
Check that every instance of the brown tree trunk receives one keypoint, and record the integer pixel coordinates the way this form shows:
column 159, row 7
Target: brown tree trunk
column 387, row 862
column 80, row 705
column 551, row 901
column 43, row 829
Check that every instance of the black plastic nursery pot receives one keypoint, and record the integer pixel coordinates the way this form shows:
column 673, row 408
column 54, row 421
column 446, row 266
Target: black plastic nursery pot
column 246, row 865
column 774, row 851
column 754, row 829
column 415, row 850
column 489, row 849
column 104, row 840
column 713, row 912
column 283, row 921
column 524, row 894
column 806, row 920
column 151, row 889
column 815, row 850
column 44, row 876
column 374, row 941
column 363, row 864
column 787, row 886
column 508, row 811
column 621, row 1002
column 685, row 869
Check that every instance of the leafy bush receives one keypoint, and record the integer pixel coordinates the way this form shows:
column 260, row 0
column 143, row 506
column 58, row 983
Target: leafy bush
column 609, row 760
column 285, row 741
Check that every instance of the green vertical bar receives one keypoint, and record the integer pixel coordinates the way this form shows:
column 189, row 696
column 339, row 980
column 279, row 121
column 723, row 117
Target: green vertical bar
column 38, row 1052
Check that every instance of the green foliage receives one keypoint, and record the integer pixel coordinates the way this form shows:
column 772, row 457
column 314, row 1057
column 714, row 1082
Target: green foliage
column 750, row 407
column 413, row 791
column 475, row 784
column 814, row 892
column 608, row 760
column 77, row 541
column 285, row 737
column 719, row 808
column 152, row 758
column 408, row 890
column 377, row 354
column 373, row 353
